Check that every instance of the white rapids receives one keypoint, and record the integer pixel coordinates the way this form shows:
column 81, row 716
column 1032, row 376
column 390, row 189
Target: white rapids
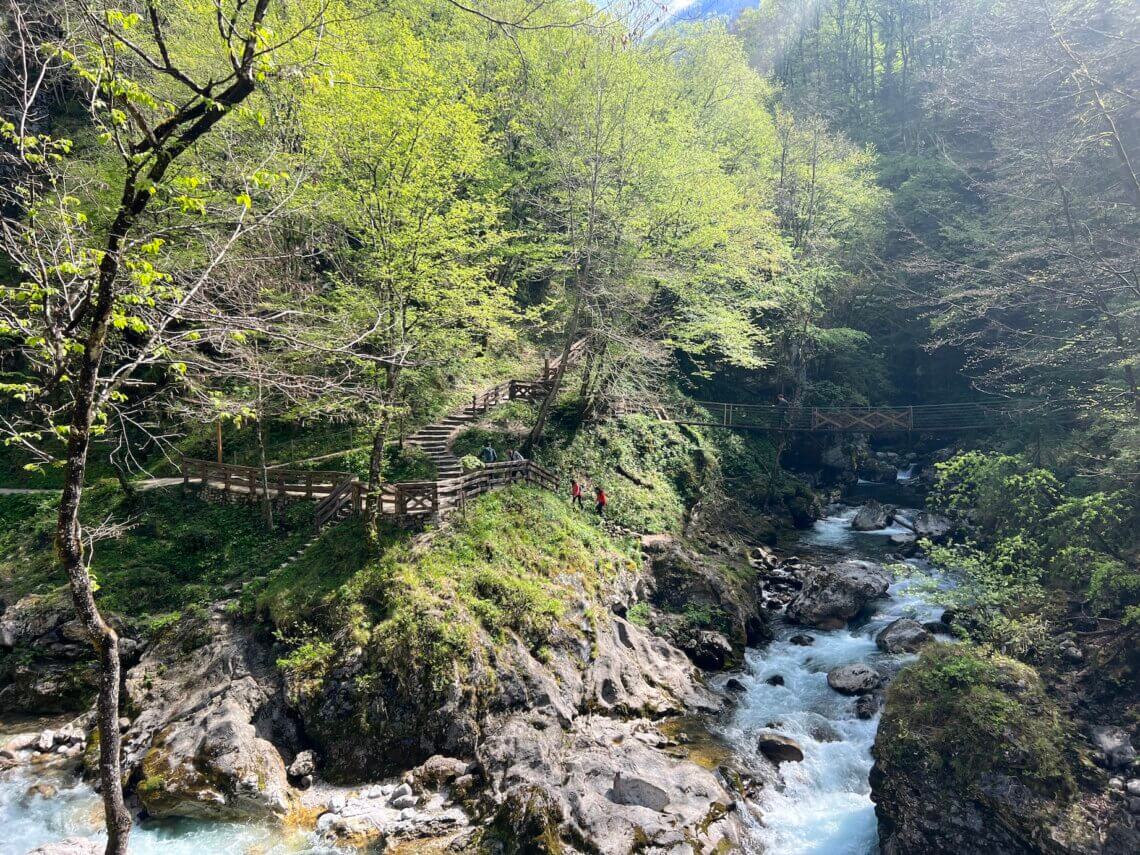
column 823, row 806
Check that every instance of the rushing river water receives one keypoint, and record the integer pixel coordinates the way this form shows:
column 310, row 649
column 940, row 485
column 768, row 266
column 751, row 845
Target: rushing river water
column 823, row 806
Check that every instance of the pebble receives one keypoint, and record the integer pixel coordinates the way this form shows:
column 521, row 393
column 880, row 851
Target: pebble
column 374, row 792
column 402, row 790
column 1116, row 784
column 337, row 803
column 401, row 802
column 46, row 741
column 325, row 821
column 407, row 813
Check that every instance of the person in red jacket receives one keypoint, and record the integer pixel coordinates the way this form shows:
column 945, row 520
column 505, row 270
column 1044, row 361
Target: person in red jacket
column 600, row 500
column 575, row 493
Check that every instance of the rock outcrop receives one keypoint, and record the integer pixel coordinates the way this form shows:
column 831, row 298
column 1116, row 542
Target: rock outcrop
column 200, row 744
column 682, row 583
column 605, row 783
column 56, row 671
column 833, row 595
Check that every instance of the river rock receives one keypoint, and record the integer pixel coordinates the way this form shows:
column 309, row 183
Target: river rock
column 734, row 685
column 902, row 636
column 69, row 846
column 834, row 594
column 872, row 517
column 1114, row 746
column 856, row 679
column 708, row 650
column 867, row 705
column 780, row 749
column 1133, row 787
column 802, row 640
column 937, row 627
column 200, row 746
column 933, row 526
column 775, row 680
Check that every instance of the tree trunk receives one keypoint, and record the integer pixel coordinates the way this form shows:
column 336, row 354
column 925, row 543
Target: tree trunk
column 376, row 475
column 70, row 549
column 544, row 410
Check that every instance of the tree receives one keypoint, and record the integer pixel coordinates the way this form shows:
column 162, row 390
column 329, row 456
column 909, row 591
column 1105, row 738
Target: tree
column 100, row 286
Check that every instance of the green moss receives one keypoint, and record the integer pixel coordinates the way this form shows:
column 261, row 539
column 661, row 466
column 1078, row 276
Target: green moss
column 652, row 471
column 639, row 614
column 967, row 712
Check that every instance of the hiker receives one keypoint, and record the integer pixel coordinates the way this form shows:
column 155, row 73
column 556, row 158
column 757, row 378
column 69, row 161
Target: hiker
column 575, row 493
column 488, row 454
column 515, row 456
column 600, row 499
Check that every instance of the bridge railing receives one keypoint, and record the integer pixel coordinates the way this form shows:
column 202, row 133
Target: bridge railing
column 786, row 417
column 232, row 478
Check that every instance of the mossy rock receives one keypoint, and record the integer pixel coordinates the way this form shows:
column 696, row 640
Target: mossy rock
column 969, row 713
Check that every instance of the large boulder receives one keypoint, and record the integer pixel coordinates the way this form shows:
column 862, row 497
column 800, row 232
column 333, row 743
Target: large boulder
column 210, row 700
column 903, row 636
column 872, row 517
column 833, row 595
column 932, row 526
column 856, row 679
column 780, row 749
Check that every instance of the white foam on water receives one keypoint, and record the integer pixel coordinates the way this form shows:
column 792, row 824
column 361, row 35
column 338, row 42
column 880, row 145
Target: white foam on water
column 75, row 810
column 824, row 806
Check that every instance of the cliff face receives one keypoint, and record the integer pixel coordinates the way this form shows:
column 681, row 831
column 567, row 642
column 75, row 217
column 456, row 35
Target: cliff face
column 972, row 756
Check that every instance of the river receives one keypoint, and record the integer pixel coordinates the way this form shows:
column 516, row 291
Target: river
column 823, row 805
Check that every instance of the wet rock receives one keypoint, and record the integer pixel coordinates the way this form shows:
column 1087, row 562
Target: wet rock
column 937, row 627
column 1114, row 746
column 867, row 705
column 45, row 741
column 902, row 636
column 402, row 802
column 708, row 650
column 775, row 680
column 69, row 846
column 43, row 789
column 630, row 790
column 1133, row 787
column 802, row 640
column 872, row 517
column 734, row 685
column 780, row 749
column 552, row 784
column 833, row 595
column 856, row 679
column 932, row 526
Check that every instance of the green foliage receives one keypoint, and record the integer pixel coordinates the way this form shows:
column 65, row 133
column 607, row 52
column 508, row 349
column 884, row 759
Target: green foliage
column 651, row 471
column 180, row 551
column 965, row 712
column 1028, row 536
column 639, row 614
column 510, row 566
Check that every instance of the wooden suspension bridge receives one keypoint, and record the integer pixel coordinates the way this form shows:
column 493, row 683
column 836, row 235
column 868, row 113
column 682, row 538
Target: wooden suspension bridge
column 930, row 418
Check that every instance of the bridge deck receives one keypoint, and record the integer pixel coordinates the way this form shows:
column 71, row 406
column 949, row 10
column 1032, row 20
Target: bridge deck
column 786, row 417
